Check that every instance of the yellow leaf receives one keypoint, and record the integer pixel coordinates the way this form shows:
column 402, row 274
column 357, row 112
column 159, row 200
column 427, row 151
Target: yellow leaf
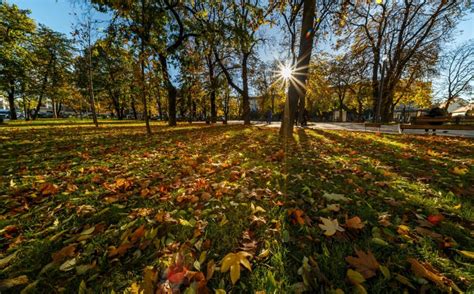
column 234, row 273
column 460, row 171
column 233, row 261
column 379, row 1
column 468, row 254
column 220, row 291
column 385, row 271
column 330, row 226
column 256, row 209
column 355, row 277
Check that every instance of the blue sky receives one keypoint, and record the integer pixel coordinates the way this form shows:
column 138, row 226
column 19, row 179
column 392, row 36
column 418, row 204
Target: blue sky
column 58, row 15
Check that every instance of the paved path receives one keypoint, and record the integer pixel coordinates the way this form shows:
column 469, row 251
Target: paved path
column 391, row 129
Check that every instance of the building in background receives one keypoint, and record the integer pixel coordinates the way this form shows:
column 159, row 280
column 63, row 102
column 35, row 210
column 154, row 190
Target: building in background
column 4, row 105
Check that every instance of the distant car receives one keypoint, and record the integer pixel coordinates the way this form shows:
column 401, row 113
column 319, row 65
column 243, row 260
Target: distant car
column 4, row 113
column 47, row 114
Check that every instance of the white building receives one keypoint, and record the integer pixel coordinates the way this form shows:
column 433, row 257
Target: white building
column 4, row 105
column 462, row 111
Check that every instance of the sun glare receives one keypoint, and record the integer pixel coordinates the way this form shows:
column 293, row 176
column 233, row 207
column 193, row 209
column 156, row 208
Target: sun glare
column 286, row 72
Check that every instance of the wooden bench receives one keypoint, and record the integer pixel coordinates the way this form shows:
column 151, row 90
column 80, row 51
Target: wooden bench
column 372, row 125
column 440, row 123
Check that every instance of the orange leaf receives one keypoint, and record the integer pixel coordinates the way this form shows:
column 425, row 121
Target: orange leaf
column 354, row 223
column 140, row 232
column 296, row 216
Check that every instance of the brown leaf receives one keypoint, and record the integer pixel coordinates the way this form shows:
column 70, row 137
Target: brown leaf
column 68, row 251
column 48, row 189
column 364, row 263
column 121, row 250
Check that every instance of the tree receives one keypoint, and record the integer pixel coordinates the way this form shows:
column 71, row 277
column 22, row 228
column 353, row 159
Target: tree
column 238, row 24
column 52, row 57
column 341, row 78
column 457, row 72
column 15, row 33
column 297, row 87
column 84, row 35
column 401, row 32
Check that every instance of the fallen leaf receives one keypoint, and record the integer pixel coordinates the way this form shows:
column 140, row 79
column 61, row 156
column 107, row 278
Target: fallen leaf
column 13, row 282
column 233, row 261
column 48, row 189
column 68, row 251
column 364, row 263
column 68, row 265
column 435, row 219
column 425, row 270
column 354, row 223
column 468, row 254
column 460, row 171
column 6, row 260
column 296, row 216
column 121, row 250
column 335, row 197
column 330, row 226
column 355, row 277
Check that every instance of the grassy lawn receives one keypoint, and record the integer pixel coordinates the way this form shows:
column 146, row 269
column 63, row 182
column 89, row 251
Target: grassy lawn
column 110, row 209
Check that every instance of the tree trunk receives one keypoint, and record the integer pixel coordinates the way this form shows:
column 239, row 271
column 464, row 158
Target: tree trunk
column 91, row 84
column 11, row 101
column 160, row 110
column 212, row 83
column 172, row 92
column 134, row 109
column 53, row 104
column 245, row 94
column 142, row 77
column 296, row 89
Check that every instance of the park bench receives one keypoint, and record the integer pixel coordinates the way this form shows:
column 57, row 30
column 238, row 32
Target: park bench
column 440, row 123
column 372, row 125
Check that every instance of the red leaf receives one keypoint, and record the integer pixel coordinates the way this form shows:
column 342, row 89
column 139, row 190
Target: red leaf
column 435, row 219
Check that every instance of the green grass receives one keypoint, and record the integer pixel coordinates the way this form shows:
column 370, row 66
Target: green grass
column 229, row 169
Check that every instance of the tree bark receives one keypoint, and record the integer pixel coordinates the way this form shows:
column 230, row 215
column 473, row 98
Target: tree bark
column 297, row 88
column 11, row 101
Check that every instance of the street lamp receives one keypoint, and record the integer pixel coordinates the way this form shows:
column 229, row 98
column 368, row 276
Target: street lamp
column 379, row 102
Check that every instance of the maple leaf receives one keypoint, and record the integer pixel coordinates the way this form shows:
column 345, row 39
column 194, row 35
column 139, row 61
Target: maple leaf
column 364, row 263
column 296, row 216
column 330, row 226
column 233, row 261
column 355, row 223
